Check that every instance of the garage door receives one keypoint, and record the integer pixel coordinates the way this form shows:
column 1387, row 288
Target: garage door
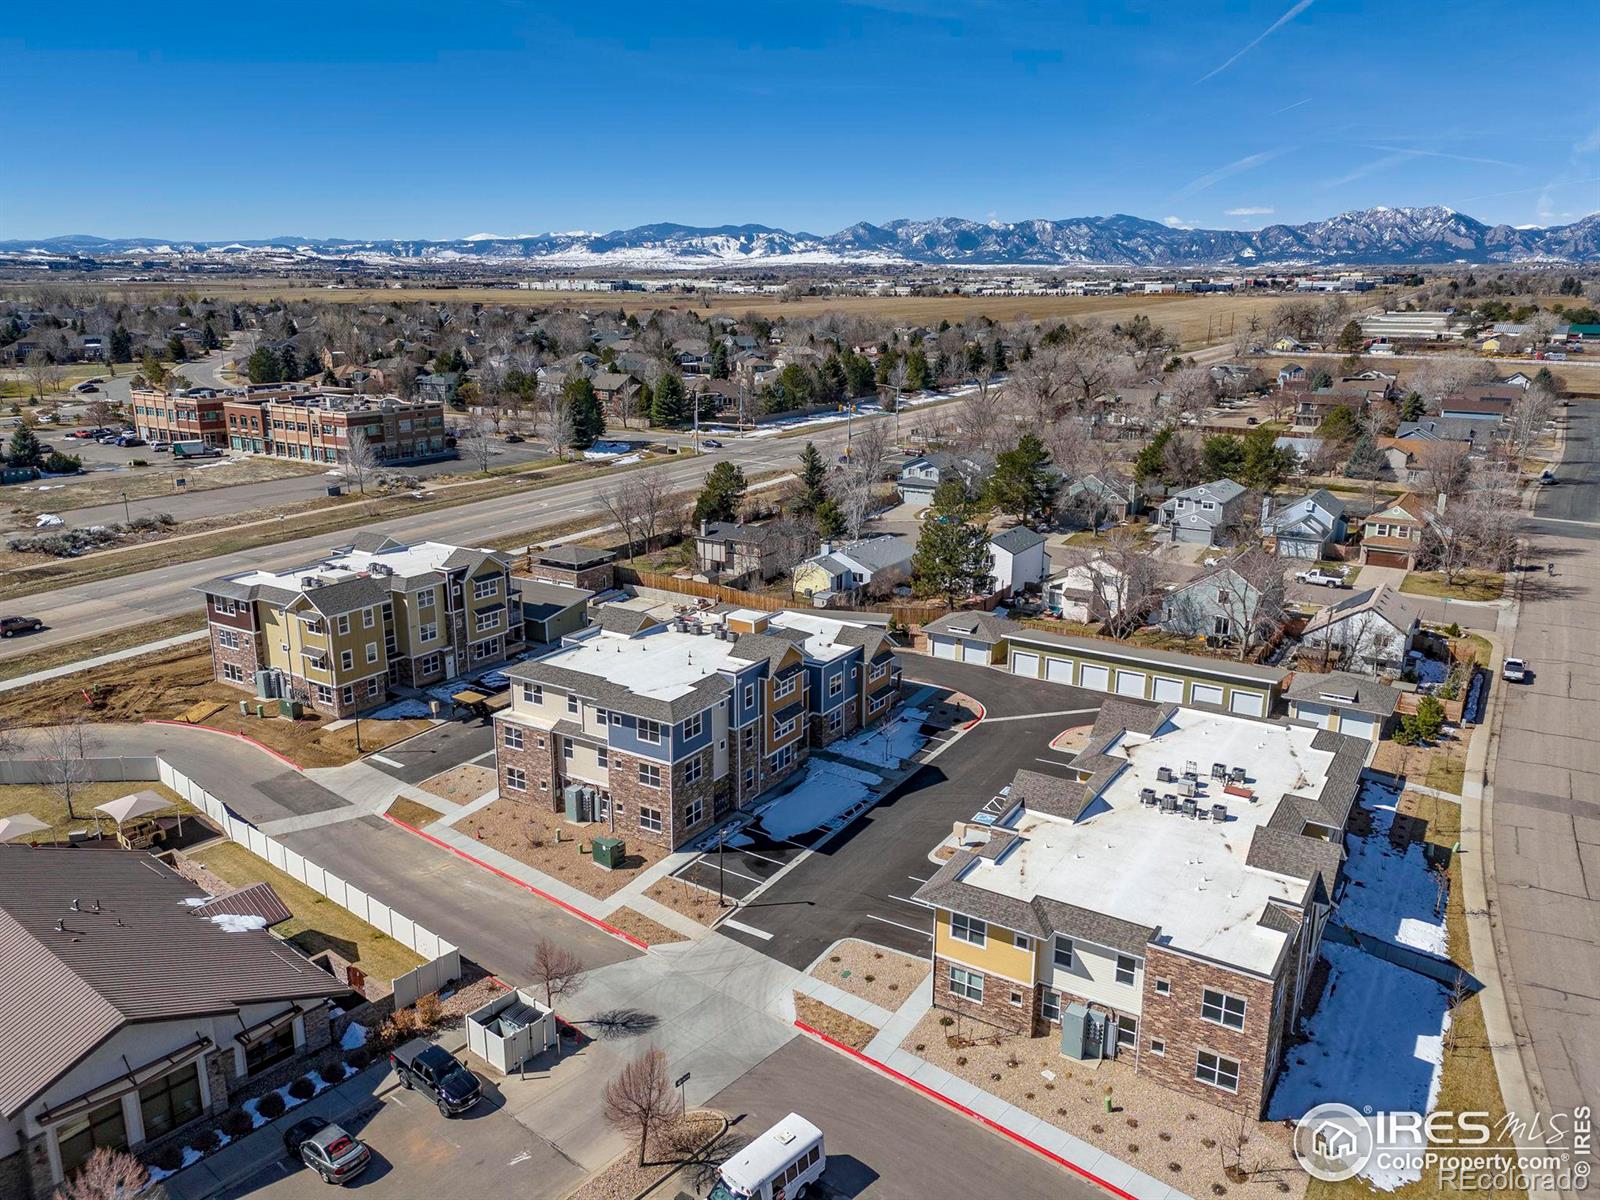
column 1248, row 704
column 1130, row 683
column 1205, row 693
column 1315, row 714
column 1025, row 664
column 1358, row 725
column 945, row 648
column 975, row 652
column 1386, row 558
column 1098, row 678
column 1058, row 670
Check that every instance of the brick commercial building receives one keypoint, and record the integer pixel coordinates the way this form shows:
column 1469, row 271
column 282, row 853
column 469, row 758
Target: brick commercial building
column 1164, row 903
column 130, row 1017
column 338, row 633
column 659, row 729
column 194, row 415
column 586, row 567
column 315, row 426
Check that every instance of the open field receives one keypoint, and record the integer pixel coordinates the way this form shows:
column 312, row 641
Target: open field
column 107, row 643
column 47, row 804
column 142, row 483
column 15, row 384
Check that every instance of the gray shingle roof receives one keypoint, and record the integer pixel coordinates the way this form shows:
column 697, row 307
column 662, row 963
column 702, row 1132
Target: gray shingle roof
column 614, row 619
column 1291, row 854
column 145, row 956
column 1017, row 539
column 1029, row 636
column 980, row 626
column 1383, row 601
column 573, row 557
column 1357, row 693
column 544, row 600
column 1050, row 794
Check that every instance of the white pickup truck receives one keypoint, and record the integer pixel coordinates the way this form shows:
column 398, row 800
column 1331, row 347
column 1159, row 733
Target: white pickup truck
column 1320, row 578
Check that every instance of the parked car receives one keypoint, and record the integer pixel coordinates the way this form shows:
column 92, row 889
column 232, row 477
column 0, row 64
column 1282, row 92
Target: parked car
column 87, row 386
column 494, row 681
column 712, row 444
column 161, row 447
column 513, row 438
column 1317, row 577
column 11, row 626
column 130, row 439
column 1514, row 670
column 1547, row 476
column 108, row 439
column 433, row 1070
column 327, row 1149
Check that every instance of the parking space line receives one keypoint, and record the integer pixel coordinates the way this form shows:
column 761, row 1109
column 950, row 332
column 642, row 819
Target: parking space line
column 777, row 862
column 730, row 923
column 916, row 879
column 728, row 870
column 388, row 762
column 927, row 933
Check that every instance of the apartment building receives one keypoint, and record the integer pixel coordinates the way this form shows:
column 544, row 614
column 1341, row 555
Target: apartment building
column 1162, row 903
column 315, row 426
column 194, row 415
column 661, row 728
column 336, row 634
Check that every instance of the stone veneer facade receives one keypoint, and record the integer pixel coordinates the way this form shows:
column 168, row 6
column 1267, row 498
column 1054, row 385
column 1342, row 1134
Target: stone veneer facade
column 996, row 1007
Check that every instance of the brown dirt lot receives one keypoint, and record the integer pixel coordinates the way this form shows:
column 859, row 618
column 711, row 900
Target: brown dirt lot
column 652, row 932
column 670, row 1148
column 685, row 898
column 841, row 1027
column 883, row 976
column 460, row 785
column 403, row 808
column 529, row 834
column 155, row 480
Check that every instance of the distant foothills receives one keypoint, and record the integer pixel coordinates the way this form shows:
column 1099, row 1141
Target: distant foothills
column 1371, row 236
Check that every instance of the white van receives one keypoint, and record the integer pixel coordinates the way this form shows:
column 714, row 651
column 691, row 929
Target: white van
column 779, row 1165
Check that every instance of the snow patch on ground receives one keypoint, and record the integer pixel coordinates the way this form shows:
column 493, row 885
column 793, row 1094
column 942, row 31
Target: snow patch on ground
column 607, row 449
column 889, row 744
column 1391, row 894
column 354, row 1036
column 828, row 790
column 1376, row 1043
column 401, row 710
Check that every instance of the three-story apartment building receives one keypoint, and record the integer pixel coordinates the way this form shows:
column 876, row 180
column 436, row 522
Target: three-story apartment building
column 661, row 728
column 337, row 633
column 1164, row 902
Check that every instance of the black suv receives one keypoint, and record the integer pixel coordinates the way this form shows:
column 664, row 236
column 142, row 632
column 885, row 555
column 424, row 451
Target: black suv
column 434, row 1070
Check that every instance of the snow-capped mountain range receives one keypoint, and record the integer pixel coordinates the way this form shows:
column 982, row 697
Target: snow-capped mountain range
column 1371, row 236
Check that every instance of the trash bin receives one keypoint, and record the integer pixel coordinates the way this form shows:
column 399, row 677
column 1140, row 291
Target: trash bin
column 608, row 852
column 335, row 490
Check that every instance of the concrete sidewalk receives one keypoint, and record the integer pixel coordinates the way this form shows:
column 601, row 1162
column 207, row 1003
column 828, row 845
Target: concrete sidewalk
column 85, row 664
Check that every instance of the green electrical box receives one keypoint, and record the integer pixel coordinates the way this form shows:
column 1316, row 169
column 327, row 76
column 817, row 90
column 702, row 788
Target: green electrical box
column 608, row 852
column 290, row 708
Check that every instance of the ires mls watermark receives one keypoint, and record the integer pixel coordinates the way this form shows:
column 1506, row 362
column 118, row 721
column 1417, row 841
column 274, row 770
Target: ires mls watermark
column 1458, row 1151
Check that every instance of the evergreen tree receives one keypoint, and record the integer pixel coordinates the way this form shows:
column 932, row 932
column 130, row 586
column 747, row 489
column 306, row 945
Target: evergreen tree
column 289, row 364
column 813, row 480
column 917, row 377
column 722, row 495
column 583, row 409
column 1350, row 336
column 1151, row 461
column 24, row 450
column 976, row 358
column 1265, row 465
column 209, row 338
column 121, row 345
column 997, row 355
column 670, row 404
column 831, row 523
column 1412, row 407
column 719, row 361
column 1021, row 484
column 1366, row 460
column 1222, row 457
column 263, row 366
column 858, row 376
column 175, row 350
column 1340, row 425
column 952, row 555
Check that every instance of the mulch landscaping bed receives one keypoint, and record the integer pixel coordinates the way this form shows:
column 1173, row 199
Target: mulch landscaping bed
column 841, row 1027
column 885, row 977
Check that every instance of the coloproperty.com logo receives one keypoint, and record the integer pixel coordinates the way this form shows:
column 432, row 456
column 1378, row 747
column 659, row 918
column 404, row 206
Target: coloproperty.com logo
column 1458, row 1151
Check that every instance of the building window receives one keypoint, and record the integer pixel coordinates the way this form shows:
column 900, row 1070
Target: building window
column 1125, row 968
column 227, row 639
column 516, row 779
column 486, row 620
column 968, row 929
column 602, row 757
column 783, row 687
column 600, row 716
column 835, row 721
column 783, row 729
column 966, row 984
column 1050, row 1005
column 344, row 622
column 1163, row 987
column 428, row 664
column 1158, row 1047
column 368, row 619
column 372, row 652
column 749, row 777
column 749, row 695
column 1022, row 941
column 1219, row 1072
column 533, row 693
column 1222, row 1008
column 1127, row 1030
column 426, row 633
column 1062, row 954
column 373, row 686
column 836, row 685
column 232, row 673
column 573, row 705
column 693, row 771
column 482, row 589
column 650, row 819
column 694, row 726
column 649, row 731
column 347, row 659
column 1014, row 998
column 650, row 775
column 170, row 1101
column 694, row 812
column 268, row 1051
column 425, row 598
column 82, row 1136
column 324, row 694
column 513, row 737
column 567, row 751
column 348, row 693
column 781, row 761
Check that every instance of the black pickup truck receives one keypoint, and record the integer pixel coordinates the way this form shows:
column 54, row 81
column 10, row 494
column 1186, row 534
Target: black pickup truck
column 434, row 1070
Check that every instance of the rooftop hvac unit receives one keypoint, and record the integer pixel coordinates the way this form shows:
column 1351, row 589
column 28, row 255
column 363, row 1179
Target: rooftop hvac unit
column 1147, row 795
column 1165, row 775
column 1236, row 775
column 1085, row 1034
column 1219, row 771
column 1190, row 807
column 1219, row 812
column 1186, row 787
column 1169, row 803
column 1191, row 770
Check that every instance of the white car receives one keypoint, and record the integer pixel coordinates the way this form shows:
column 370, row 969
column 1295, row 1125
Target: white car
column 1515, row 670
column 1320, row 578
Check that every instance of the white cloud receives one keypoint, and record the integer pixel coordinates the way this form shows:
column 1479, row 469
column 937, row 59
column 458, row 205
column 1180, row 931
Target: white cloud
column 1177, row 223
column 1271, row 29
column 1251, row 211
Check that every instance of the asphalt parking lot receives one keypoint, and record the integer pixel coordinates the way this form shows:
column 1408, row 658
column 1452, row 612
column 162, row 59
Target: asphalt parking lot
column 859, row 883
column 439, row 749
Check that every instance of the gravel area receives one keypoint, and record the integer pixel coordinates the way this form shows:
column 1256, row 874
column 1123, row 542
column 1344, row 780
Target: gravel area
column 632, row 921
column 623, row 1178
column 529, row 834
column 460, row 785
column 693, row 902
column 841, row 1027
column 1151, row 1127
column 883, row 976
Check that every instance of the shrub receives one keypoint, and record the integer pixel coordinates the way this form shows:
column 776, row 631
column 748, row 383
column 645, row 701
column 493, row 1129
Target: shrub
column 62, row 464
column 236, row 1122
column 947, row 1021
column 961, row 1060
column 1133, row 1147
column 1133, row 1122
column 272, row 1106
column 1164, row 1136
column 1209, row 1143
column 334, row 1072
column 1097, row 1128
column 1218, row 1190
column 168, row 1158
column 1175, row 1167
column 205, row 1142
column 138, row 462
column 358, row 1059
column 429, row 1010
column 869, row 978
column 302, row 1089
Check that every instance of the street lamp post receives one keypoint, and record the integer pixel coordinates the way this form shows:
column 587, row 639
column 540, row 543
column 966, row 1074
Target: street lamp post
column 722, row 834
column 127, row 513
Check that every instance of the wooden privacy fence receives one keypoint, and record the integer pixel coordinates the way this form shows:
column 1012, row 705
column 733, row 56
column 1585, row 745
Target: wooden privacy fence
column 444, row 958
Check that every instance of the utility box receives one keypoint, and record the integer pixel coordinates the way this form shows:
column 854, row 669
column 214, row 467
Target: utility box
column 291, row 709
column 1083, row 1033
column 608, row 852
column 334, row 489
column 511, row 1029
column 577, row 803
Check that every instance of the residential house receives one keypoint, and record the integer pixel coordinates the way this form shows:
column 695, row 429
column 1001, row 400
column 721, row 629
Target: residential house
column 658, row 731
column 920, row 478
column 1089, row 591
column 1392, row 536
column 615, row 390
column 337, row 633
column 1290, row 371
column 1208, row 513
column 1193, row 962
column 1102, row 497
column 727, row 551
column 1409, row 459
column 1017, row 560
column 1440, row 429
column 1219, row 605
column 1289, row 345
column 587, row 567
column 440, row 388
column 1343, row 702
column 840, row 569
column 550, row 611
column 131, row 1015
column 1369, row 632
column 1491, row 404
column 1305, row 526
column 1304, row 449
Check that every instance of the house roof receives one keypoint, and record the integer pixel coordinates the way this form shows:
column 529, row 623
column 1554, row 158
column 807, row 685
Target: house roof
column 980, row 626
column 573, row 557
column 1017, row 539
column 1247, row 672
column 1356, row 693
column 543, row 600
column 1382, row 601
column 877, row 553
column 1218, row 489
column 73, row 978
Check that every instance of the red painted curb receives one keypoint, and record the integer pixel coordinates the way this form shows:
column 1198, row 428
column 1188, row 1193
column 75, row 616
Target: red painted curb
column 243, row 737
column 523, row 884
column 965, row 1111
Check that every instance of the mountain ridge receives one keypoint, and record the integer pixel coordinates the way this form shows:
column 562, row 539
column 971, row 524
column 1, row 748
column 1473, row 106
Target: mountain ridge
column 1383, row 235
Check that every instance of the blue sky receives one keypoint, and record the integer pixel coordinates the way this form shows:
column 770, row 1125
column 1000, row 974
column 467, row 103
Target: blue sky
column 429, row 120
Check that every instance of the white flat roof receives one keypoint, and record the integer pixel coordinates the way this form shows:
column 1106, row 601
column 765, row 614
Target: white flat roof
column 662, row 664
column 405, row 561
column 822, row 633
column 1187, row 877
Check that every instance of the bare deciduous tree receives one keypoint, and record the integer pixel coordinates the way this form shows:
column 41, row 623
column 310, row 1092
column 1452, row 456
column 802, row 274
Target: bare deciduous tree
column 1125, row 577
column 358, row 460
column 109, row 1174
column 555, row 969
column 640, row 1100
column 65, row 763
column 1191, row 389
column 1253, row 607
column 1446, row 374
column 476, row 440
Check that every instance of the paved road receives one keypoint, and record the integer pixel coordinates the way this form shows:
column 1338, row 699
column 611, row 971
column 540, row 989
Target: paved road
column 884, row 1141
column 1546, row 783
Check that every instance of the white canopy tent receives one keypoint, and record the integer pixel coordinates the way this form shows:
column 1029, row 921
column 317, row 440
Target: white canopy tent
column 20, row 825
